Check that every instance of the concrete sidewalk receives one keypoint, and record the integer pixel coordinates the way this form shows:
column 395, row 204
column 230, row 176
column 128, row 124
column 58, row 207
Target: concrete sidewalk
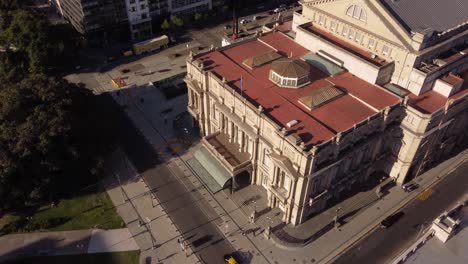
column 66, row 243
column 334, row 242
column 149, row 224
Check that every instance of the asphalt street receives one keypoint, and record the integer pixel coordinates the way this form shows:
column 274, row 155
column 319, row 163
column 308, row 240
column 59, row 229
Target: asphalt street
column 186, row 207
column 385, row 244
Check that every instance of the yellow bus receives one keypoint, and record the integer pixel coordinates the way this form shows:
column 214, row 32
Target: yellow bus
column 150, row 44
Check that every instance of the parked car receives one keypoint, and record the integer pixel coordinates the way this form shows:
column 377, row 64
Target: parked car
column 244, row 21
column 282, row 6
column 227, row 26
column 293, row 5
column 389, row 221
column 278, row 10
column 256, row 17
column 409, row 187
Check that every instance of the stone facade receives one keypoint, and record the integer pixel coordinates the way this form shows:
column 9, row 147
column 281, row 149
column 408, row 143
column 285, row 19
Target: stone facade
column 402, row 140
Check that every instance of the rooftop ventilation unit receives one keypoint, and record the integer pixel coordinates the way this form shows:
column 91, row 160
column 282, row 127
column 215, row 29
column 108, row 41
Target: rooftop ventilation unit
column 292, row 123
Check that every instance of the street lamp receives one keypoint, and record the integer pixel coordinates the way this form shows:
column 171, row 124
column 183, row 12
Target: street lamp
column 152, row 199
column 421, row 229
column 226, row 226
column 336, row 218
column 253, row 216
column 268, row 228
column 124, row 199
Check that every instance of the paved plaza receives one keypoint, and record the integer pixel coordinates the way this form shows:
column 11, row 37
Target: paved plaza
column 66, row 243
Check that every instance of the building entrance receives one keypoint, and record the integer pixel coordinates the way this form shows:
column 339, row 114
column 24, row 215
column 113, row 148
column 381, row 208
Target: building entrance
column 242, row 179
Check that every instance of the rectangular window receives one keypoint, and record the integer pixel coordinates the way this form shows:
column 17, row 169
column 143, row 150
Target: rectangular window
column 396, row 148
column 410, row 119
column 345, row 31
column 332, row 25
column 215, row 114
column 133, row 9
column 132, row 1
column 351, row 34
column 358, row 37
column 286, row 183
column 321, row 20
column 371, row 43
column 386, row 50
column 265, row 179
column 266, row 158
column 142, row 6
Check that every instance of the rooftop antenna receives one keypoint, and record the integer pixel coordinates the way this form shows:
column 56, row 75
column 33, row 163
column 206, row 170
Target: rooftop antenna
column 235, row 22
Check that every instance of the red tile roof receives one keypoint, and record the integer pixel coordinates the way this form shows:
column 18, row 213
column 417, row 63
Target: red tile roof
column 431, row 101
column 285, row 27
column 281, row 104
column 452, row 79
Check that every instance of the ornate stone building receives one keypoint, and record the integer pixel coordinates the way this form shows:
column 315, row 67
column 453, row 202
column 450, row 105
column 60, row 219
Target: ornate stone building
column 311, row 114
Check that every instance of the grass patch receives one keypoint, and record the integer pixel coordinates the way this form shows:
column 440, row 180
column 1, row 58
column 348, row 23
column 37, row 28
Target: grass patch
column 129, row 257
column 92, row 209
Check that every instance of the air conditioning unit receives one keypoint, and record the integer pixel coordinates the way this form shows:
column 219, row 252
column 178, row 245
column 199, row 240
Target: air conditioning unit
column 292, row 123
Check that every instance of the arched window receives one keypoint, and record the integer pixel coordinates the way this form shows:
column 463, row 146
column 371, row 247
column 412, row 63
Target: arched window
column 357, row 12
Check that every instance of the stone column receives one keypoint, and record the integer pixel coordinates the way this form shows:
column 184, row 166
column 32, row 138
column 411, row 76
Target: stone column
column 190, row 97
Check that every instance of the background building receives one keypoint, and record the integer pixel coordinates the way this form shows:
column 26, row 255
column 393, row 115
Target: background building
column 105, row 20
column 99, row 21
column 425, row 45
column 311, row 114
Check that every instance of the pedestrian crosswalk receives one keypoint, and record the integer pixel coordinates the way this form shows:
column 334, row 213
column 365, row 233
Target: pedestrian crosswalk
column 425, row 194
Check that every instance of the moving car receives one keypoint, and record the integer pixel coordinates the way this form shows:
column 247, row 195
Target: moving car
column 229, row 259
column 244, row 21
column 387, row 222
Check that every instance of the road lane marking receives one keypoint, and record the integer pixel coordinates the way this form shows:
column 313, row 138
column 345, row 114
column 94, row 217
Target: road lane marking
column 425, row 194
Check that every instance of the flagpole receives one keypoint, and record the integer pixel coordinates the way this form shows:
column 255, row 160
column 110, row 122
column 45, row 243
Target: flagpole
column 242, row 86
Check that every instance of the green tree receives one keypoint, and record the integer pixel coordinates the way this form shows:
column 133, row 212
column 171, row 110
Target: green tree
column 7, row 7
column 177, row 21
column 35, row 46
column 165, row 25
column 197, row 16
column 51, row 138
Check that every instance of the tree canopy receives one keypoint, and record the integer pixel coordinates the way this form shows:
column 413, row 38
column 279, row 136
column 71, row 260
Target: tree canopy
column 7, row 7
column 49, row 137
column 177, row 21
column 165, row 25
column 52, row 132
column 33, row 45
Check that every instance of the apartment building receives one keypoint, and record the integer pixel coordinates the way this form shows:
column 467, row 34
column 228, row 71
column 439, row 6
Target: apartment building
column 98, row 19
column 311, row 114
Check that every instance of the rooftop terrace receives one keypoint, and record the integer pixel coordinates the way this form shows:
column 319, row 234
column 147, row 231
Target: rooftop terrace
column 361, row 53
column 431, row 101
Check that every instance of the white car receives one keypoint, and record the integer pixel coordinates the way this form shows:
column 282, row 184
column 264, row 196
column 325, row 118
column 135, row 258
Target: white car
column 278, row 10
column 244, row 21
